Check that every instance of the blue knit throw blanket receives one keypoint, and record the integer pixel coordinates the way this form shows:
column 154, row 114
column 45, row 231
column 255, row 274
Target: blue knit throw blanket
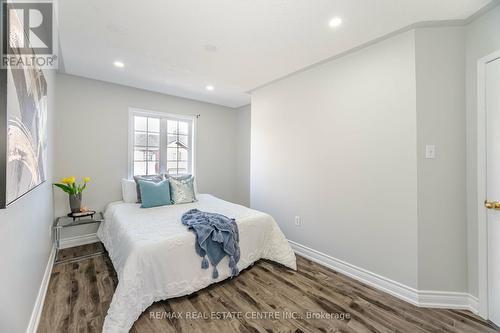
column 216, row 237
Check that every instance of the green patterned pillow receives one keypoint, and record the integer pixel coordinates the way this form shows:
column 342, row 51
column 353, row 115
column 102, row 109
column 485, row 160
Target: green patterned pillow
column 182, row 189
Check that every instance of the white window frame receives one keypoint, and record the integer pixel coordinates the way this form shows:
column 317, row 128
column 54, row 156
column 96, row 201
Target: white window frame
column 164, row 116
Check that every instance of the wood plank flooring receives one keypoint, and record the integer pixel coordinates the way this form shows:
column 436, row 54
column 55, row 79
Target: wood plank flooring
column 264, row 298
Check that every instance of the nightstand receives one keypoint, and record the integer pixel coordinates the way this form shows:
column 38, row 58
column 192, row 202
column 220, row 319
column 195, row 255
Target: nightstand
column 68, row 222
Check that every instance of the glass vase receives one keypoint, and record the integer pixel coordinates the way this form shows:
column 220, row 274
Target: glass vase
column 75, row 202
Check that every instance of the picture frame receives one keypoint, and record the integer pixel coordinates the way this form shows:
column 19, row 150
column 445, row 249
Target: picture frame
column 23, row 123
column 3, row 138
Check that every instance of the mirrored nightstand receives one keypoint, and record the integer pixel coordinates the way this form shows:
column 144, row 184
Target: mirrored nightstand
column 68, row 222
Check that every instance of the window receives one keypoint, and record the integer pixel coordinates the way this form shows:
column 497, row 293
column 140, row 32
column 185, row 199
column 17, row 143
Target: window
column 161, row 143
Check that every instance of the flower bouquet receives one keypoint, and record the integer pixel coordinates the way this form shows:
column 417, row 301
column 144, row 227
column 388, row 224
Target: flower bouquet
column 74, row 191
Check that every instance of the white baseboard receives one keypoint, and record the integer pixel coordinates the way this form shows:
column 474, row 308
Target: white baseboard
column 421, row 298
column 447, row 300
column 40, row 298
column 65, row 243
column 78, row 240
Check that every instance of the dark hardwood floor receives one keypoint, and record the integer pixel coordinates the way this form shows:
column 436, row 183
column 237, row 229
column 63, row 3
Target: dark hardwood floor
column 264, row 298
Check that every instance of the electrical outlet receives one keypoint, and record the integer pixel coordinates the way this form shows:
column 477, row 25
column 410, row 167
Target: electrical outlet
column 430, row 152
column 298, row 221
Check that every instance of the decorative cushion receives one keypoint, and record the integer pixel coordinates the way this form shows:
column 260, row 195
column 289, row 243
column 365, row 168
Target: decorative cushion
column 182, row 189
column 151, row 178
column 154, row 194
column 195, row 185
column 129, row 191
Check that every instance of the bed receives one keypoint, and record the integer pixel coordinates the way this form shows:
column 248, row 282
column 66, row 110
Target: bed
column 154, row 257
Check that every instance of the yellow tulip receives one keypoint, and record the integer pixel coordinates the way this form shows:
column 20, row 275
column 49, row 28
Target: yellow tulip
column 71, row 180
column 86, row 179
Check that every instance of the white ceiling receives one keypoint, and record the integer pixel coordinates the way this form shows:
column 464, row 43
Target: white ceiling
column 164, row 43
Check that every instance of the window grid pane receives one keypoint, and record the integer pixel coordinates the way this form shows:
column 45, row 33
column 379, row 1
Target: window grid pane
column 177, row 147
column 153, row 125
column 155, row 136
column 146, row 146
column 140, row 123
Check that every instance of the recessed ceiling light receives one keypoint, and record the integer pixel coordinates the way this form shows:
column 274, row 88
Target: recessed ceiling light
column 119, row 64
column 335, row 22
column 210, row 48
column 210, row 87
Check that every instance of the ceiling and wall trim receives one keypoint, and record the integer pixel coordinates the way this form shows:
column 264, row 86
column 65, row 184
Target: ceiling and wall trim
column 149, row 91
column 423, row 24
column 290, row 37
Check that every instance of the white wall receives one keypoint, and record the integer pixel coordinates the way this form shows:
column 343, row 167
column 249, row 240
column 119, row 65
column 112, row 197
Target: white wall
column 482, row 38
column 442, row 246
column 336, row 145
column 243, row 156
column 309, row 125
column 25, row 242
column 92, row 134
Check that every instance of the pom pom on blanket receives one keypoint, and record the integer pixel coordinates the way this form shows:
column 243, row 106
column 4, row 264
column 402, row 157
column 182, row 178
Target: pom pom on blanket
column 217, row 236
column 204, row 263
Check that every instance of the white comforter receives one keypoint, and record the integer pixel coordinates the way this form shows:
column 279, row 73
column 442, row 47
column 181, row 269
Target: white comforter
column 155, row 259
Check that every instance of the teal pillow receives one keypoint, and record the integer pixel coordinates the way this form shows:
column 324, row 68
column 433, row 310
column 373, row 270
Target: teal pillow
column 154, row 194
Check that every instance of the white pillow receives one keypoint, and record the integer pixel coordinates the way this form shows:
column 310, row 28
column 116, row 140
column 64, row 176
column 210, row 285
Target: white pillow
column 129, row 191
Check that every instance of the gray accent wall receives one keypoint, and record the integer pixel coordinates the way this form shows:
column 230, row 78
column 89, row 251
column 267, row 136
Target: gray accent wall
column 243, row 155
column 319, row 152
column 336, row 146
column 26, row 240
column 442, row 245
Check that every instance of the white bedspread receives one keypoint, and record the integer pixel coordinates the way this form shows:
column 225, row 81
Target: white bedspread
column 155, row 258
